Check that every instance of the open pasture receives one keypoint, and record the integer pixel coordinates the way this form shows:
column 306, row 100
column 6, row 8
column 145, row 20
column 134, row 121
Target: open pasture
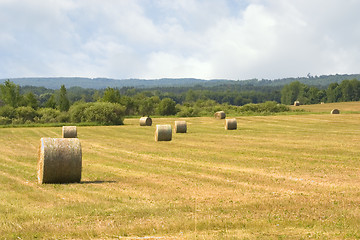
column 344, row 107
column 275, row 177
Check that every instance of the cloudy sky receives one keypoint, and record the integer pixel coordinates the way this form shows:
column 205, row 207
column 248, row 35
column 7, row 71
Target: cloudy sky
column 207, row 39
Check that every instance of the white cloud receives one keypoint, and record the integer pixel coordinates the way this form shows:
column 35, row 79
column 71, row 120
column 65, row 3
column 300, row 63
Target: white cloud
column 161, row 64
column 239, row 44
column 236, row 39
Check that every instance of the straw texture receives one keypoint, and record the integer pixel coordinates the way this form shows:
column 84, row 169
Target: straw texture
column 69, row 132
column 220, row 115
column 335, row 111
column 230, row 124
column 163, row 133
column 60, row 160
column 145, row 121
column 180, row 127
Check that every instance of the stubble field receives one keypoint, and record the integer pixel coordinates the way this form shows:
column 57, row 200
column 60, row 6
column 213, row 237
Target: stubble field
column 275, row 177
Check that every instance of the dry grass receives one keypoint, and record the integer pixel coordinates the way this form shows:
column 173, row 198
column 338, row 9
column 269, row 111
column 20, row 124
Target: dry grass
column 275, row 177
column 327, row 107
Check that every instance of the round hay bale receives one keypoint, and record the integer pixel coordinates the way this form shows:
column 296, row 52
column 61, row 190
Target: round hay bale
column 335, row 111
column 296, row 103
column 180, row 127
column 220, row 115
column 69, row 132
column 230, row 124
column 145, row 121
column 60, row 160
column 163, row 133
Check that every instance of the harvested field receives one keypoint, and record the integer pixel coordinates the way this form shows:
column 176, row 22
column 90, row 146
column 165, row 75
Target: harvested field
column 275, row 177
column 350, row 107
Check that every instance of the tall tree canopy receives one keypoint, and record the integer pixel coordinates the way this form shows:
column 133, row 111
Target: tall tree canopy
column 64, row 103
column 10, row 93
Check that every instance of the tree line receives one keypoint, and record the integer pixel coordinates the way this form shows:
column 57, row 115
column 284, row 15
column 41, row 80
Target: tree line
column 102, row 83
column 346, row 91
column 19, row 105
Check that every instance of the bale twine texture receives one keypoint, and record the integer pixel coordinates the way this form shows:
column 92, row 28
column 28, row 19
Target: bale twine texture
column 60, row 160
column 145, row 121
column 220, row 115
column 180, row 127
column 230, row 124
column 69, row 132
column 335, row 111
column 163, row 133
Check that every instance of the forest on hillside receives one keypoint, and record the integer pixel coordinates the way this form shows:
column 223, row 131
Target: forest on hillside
column 321, row 81
column 30, row 104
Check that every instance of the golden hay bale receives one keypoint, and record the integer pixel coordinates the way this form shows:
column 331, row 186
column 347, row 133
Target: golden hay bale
column 60, row 160
column 69, row 132
column 296, row 103
column 220, row 115
column 180, row 127
column 145, row 121
column 335, row 111
column 163, row 133
column 230, row 124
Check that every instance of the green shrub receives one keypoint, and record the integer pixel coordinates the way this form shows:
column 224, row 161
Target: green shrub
column 250, row 107
column 167, row 106
column 8, row 112
column 105, row 113
column 64, row 117
column 48, row 115
column 274, row 107
column 188, row 112
column 26, row 114
column 267, row 107
column 4, row 120
column 206, row 107
column 17, row 121
column 77, row 112
column 147, row 106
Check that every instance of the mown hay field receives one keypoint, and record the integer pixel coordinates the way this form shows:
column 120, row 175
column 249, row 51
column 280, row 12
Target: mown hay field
column 344, row 107
column 275, row 177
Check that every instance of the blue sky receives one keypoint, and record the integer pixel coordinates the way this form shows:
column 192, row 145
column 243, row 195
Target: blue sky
column 207, row 39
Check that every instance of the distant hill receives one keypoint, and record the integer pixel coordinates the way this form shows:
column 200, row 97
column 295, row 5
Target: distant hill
column 100, row 83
